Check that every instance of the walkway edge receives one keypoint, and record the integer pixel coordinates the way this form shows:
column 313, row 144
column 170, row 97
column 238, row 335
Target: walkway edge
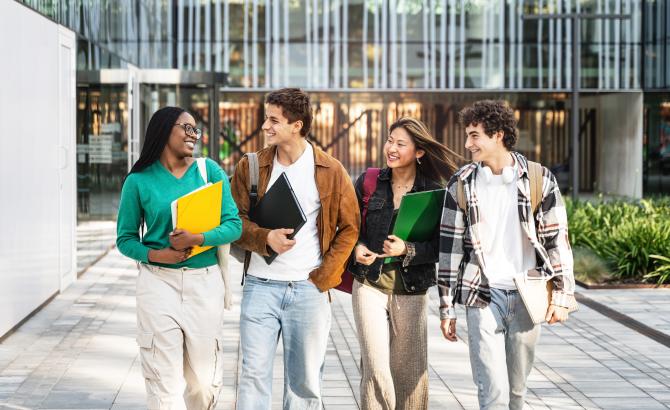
column 625, row 320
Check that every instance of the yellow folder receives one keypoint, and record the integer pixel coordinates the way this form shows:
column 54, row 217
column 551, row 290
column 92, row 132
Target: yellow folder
column 198, row 211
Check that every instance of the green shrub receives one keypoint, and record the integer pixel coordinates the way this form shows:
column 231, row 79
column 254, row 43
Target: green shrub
column 625, row 235
column 661, row 274
column 589, row 267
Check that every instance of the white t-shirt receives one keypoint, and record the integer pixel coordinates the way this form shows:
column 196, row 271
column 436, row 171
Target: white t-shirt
column 305, row 256
column 506, row 247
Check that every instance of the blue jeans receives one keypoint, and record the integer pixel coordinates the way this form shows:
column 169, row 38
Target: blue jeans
column 502, row 340
column 300, row 313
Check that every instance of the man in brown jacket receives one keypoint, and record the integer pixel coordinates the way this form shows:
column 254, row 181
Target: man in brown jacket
column 289, row 297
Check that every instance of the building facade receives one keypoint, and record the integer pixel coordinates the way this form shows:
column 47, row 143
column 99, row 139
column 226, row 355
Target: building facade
column 365, row 63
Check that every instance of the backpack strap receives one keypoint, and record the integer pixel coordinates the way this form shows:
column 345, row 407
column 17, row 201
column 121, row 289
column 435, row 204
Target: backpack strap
column 369, row 188
column 535, row 176
column 202, row 167
column 253, row 178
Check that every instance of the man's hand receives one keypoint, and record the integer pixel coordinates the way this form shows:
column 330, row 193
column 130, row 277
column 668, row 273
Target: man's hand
column 169, row 256
column 181, row 239
column 448, row 327
column 394, row 246
column 556, row 314
column 278, row 240
column 364, row 256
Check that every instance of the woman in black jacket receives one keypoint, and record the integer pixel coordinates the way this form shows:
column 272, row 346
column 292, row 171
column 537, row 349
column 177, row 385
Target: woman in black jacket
column 389, row 295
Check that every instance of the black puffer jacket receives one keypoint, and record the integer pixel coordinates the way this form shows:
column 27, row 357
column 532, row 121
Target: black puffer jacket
column 418, row 266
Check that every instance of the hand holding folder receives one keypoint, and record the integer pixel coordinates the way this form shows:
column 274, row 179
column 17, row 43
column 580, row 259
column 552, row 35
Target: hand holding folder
column 418, row 217
column 279, row 209
column 198, row 211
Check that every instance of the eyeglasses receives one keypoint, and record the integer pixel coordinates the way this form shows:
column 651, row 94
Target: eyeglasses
column 190, row 130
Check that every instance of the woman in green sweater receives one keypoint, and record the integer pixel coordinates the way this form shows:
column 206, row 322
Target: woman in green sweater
column 179, row 299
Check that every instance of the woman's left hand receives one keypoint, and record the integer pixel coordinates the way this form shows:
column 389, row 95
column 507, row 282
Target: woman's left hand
column 394, row 246
column 181, row 239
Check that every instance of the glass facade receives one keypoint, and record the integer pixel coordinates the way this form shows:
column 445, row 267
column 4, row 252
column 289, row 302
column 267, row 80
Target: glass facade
column 365, row 62
column 380, row 44
column 657, row 143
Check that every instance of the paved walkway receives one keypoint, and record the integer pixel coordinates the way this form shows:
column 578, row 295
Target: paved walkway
column 79, row 352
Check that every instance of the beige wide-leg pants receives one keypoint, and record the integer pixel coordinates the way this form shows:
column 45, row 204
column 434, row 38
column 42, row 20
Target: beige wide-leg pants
column 394, row 357
column 180, row 318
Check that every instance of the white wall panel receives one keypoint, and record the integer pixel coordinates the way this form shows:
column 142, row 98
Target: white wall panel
column 37, row 183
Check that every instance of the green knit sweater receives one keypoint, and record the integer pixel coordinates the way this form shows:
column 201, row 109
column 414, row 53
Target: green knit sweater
column 150, row 192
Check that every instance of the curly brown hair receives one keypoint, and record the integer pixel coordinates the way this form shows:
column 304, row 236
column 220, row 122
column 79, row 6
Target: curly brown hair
column 295, row 105
column 494, row 116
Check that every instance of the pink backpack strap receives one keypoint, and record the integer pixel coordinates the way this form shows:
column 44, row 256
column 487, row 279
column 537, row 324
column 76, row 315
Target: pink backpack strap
column 369, row 188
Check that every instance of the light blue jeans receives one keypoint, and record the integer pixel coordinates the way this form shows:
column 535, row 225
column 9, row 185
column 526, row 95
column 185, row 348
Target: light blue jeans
column 300, row 314
column 502, row 340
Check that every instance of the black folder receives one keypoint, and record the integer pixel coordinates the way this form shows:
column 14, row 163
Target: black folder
column 277, row 209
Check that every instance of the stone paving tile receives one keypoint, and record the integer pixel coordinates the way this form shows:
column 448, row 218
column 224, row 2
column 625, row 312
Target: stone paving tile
column 649, row 306
column 79, row 352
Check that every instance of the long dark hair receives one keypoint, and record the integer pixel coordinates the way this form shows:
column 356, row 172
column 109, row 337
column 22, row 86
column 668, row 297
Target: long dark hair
column 437, row 163
column 157, row 136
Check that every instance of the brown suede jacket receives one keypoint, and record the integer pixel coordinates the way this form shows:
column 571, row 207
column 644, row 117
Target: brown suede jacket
column 338, row 219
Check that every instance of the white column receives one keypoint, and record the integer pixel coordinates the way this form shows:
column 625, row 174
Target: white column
column 519, row 47
column 606, row 61
column 617, row 46
column 168, row 46
column 196, row 27
column 345, row 46
column 426, row 69
column 559, row 46
column 269, row 57
column 384, row 48
column 452, row 44
column 501, row 44
column 180, row 34
column 308, row 46
column 208, row 35
column 433, row 46
column 191, row 34
column 254, row 44
column 393, row 14
column 219, row 47
column 403, row 45
column 226, row 36
column 485, row 35
column 552, row 49
column 245, row 44
column 315, row 43
column 443, row 46
column 512, row 48
column 364, row 46
column 539, row 51
column 325, row 64
column 637, row 34
column 568, row 45
column 337, row 43
column 462, row 46
column 275, row 61
column 375, row 67
column 287, row 50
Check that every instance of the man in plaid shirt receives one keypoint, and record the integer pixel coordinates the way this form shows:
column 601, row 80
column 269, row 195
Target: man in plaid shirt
column 495, row 240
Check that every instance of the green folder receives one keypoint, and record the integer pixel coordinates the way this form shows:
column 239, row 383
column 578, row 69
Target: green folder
column 418, row 216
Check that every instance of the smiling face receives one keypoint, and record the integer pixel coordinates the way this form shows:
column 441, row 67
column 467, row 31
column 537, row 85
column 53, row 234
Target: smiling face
column 277, row 129
column 483, row 147
column 400, row 150
column 181, row 143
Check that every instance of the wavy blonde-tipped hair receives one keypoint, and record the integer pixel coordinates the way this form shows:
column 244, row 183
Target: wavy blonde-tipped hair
column 437, row 163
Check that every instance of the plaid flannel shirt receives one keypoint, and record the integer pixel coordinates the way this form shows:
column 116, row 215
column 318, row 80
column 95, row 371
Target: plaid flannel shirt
column 461, row 261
